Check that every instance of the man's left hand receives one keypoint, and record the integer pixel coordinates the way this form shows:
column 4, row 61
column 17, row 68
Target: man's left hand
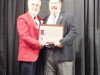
column 58, row 44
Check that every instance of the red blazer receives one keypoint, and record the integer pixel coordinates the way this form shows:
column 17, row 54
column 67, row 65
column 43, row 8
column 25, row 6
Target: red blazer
column 28, row 38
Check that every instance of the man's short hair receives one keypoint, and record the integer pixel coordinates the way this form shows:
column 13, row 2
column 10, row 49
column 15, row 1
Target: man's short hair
column 33, row 0
column 59, row 1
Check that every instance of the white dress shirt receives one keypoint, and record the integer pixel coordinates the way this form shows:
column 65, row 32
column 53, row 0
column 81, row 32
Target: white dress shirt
column 51, row 19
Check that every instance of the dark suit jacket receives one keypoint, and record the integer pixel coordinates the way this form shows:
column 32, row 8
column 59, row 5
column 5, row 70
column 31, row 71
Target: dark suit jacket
column 70, row 33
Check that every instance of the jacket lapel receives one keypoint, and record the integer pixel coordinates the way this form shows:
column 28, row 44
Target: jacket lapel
column 45, row 19
column 60, row 18
column 32, row 22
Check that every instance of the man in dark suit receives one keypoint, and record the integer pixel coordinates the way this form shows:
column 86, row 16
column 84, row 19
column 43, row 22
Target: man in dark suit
column 29, row 46
column 60, row 56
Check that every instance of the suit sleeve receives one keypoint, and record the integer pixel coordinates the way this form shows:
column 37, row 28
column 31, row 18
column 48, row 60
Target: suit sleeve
column 23, row 32
column 72, row 32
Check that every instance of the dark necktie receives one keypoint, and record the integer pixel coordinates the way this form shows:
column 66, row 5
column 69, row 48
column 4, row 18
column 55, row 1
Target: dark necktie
column 35, row 20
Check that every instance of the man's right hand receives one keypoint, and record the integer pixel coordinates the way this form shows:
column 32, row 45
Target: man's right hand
column 42, row 43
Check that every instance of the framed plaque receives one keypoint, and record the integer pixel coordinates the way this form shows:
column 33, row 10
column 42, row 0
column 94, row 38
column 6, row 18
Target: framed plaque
column 50, row 33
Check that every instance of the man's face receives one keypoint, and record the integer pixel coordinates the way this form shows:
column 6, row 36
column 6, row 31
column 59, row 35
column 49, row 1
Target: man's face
column 54, row 6
column 34, row 7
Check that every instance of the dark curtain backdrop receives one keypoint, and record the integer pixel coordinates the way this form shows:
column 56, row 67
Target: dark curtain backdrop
column 87, row 44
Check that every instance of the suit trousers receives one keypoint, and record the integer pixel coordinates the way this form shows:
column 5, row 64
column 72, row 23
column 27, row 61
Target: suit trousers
column 27, row 68
column 57, row 68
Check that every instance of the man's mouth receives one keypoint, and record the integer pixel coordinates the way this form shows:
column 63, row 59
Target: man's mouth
column 34, row 10
column 54, row 8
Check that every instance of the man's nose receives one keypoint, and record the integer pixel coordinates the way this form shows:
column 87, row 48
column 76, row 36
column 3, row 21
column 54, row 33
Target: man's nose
column 34, row 6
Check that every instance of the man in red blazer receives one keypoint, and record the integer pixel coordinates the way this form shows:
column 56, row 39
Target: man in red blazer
column 29, row 46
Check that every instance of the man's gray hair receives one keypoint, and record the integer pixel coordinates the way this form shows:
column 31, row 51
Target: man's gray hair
column 30, row 1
